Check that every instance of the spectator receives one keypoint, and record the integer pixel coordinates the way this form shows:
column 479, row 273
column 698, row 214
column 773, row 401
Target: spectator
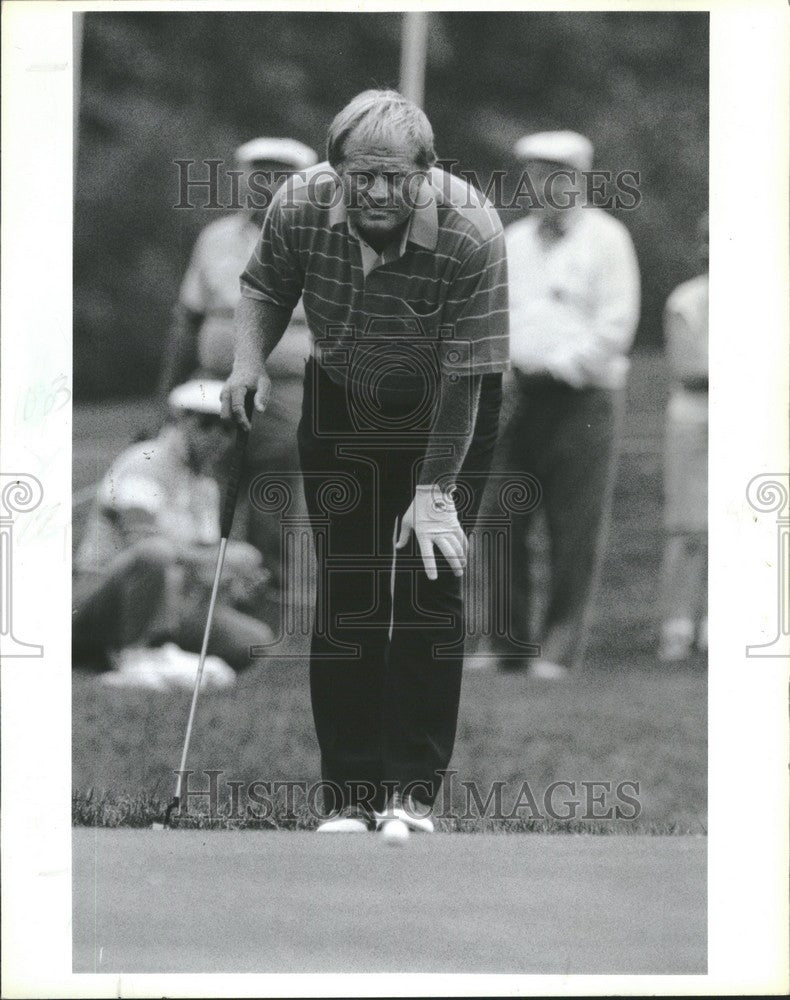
column 683, row 597
column 574, row 294
column 145, row 566
column 202, row 336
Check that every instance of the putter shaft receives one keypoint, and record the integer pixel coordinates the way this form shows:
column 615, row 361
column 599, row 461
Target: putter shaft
column 227, row 511
column 176, row 800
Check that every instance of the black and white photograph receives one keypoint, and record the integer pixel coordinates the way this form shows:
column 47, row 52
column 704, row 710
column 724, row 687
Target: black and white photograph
column 394, row 528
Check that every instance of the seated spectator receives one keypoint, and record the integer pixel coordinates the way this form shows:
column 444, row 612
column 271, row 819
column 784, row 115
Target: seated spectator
column 145, row 567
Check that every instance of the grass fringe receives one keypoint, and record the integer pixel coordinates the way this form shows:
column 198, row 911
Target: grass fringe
column 113, row 811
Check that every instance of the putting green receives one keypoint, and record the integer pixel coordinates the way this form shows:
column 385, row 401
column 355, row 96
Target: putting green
column 191, row 901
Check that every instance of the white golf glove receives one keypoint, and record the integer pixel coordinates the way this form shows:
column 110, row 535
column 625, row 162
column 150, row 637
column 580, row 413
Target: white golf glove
column 433, row 519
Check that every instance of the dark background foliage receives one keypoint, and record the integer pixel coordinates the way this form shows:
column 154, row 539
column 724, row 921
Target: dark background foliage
column 157, row 87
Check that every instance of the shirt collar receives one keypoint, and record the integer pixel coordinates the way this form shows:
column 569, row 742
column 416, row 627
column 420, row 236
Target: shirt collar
column 423, row 228
column 571, row 218
column 424, row 224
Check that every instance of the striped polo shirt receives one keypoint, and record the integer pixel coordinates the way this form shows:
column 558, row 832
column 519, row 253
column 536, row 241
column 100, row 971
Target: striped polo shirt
column 441, row 294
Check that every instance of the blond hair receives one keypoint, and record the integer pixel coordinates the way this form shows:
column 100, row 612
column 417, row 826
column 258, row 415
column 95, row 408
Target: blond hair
column 377, row 114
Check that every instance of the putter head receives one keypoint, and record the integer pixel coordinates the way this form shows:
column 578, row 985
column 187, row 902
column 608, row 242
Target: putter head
column 174, row 804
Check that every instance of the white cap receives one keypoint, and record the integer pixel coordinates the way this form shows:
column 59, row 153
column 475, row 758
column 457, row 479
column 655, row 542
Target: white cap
column 197, row 396
column 558, row 147
column 290, row 151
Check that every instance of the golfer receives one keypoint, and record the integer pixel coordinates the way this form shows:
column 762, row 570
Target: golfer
column 402, row 272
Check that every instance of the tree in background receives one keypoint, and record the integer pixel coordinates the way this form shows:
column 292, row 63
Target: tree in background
column 161, row 87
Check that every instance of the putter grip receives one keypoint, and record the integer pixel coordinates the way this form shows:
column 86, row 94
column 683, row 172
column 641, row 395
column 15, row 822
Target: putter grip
column 235, row 471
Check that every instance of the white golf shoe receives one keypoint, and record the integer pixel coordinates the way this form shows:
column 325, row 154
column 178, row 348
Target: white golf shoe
column 350, row 819
column 179, row 669
column 136, row 667
column 702, row 636
column 546, row 670
column 166, row 668
column 677, row 640
column 415, row 815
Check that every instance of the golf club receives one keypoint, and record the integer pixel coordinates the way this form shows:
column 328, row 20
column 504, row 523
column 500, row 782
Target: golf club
column 226, row 523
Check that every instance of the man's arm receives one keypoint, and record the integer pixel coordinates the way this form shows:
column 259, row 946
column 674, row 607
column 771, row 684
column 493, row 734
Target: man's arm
column 432, row 514
column 617, row 303
column 452, row 431
column 271, row 286
column 477, row 309
column 181, row 350
column 584, row 349
column 259, row 329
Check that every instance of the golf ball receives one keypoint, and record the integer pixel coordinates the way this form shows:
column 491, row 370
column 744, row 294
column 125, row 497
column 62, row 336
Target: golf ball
column 395, row 831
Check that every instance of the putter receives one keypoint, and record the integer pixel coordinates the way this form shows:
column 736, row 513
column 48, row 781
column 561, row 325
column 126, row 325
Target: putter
column 226, row 523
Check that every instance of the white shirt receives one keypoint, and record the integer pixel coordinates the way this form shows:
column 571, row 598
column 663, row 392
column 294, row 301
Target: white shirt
column 686, row 329
column 211, row 287
column 574, row 299
column 686, row 337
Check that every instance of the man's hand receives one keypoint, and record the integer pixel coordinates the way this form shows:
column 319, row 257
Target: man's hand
column 432, row 518
column 579, row 365
column 235, row 390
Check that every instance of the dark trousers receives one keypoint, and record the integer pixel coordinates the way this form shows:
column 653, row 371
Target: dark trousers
column 568, row 439
column 385, row 675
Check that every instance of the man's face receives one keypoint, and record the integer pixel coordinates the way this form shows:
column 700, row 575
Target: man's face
column 554, row 185
column 380, row 185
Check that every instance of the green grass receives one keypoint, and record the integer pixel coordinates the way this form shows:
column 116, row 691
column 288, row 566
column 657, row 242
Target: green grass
column 638, row 725
column 625, row 718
